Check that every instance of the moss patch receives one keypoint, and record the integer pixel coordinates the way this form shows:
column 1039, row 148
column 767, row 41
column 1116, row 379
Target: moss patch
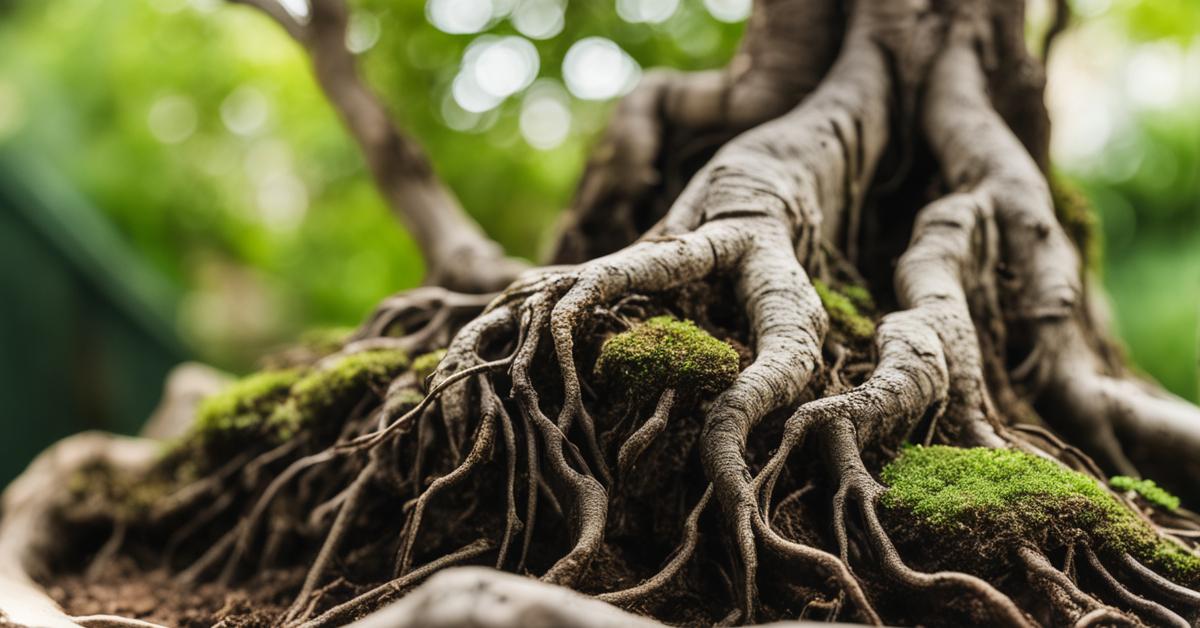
column 1078, row 218
column 245, row 404
column 664, row 353
column 326, row 340
column 843, row 306
column 424, row 365
column 1147, row 489
column 331, row 389
column 1003, row 497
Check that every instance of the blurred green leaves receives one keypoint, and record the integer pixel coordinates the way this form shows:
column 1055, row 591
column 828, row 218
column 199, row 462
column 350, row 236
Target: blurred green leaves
column 198, row 131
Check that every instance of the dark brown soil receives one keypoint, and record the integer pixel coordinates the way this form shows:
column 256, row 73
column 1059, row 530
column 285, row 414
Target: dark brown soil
column 125, row 590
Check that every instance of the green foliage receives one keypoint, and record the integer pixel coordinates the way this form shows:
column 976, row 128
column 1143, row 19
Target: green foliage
column 424, row 365
column 843, row 307
column 245, row 404
column 1004, row 497
column 1147, row 489
column 665, row 353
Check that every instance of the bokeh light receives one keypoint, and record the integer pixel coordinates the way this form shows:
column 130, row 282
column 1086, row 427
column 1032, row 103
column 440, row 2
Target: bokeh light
column 648, row 11
column 459, row 17
column 539, row 19
column 172, row 119
column 728, row 10
column 545, row 115
column 596, row 68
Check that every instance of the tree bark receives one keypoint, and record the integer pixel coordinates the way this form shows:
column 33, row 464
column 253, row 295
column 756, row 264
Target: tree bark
column 765, row 500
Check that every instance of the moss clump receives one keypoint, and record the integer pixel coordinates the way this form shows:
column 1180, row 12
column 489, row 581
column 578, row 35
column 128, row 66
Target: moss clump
column 424, row 365
column 326, row 340
column 331, row 389
column 1006, row 497
column 1147, row 489
column 844, row 306
column 245, row 404
column 665, row 353
column 1078, row 218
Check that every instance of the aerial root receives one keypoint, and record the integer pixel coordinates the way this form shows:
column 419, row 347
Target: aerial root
column 301, row 608
column 1062, row 591
column 678, row 560
column 644, row 436
column 1175, row 592
column 345, row 612
column 239, row 539
column 427, row 316
column 484, row 441
column 1159, row 614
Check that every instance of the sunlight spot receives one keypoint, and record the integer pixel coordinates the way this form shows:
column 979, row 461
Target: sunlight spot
column 728, row 10
column 545, row 116
column 172, row 119
column 297, row 8
column 266, row 156
column 282, row 200
column 502, row 67
column 1154, row 76
column 596, row 68
column 649, row 11
column 459, row 17
column 538, row 19
column 469, row 95
column 362, row 32
column 245, row 110
column 455, row 116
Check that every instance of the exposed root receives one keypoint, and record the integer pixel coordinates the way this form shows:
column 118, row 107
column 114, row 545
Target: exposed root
column 1159, row 614
column 618, row 510
column 637, row 442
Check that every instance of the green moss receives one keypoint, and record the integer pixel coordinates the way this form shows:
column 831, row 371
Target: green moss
column 330, row 389
column 1147, row 489
column 1005, row 496
column 325, row 340
column 244, row 404
column 664, row 353
column 1078, row 218
column 843, row 308
column 424, row 365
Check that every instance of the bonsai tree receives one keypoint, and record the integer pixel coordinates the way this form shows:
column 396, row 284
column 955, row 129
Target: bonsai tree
column 852, row 370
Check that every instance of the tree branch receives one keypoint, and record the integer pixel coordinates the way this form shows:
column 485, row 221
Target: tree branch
column 458, row 254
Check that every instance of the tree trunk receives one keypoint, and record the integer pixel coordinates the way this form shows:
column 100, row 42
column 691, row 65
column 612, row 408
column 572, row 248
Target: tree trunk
column 856, row 212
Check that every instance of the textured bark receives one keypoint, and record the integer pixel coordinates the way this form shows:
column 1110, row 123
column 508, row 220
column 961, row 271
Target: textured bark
column 761, row 502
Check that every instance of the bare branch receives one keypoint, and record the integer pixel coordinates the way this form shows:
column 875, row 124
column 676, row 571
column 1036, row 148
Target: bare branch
column 274, row 10
column 457, row 252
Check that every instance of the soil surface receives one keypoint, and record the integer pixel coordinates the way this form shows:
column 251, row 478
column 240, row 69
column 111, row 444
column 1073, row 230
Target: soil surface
column 125, row 590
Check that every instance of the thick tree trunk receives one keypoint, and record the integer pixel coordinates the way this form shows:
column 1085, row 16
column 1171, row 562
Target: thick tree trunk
column 898, row 142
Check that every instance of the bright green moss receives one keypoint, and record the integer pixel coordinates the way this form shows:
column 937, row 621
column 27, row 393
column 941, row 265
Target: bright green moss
column 1148, row 490
column 1078, row 218
column 1006, row 496
column 424, row 365
column 843, row 311
column 244, row 404
column 859, row 296
column 330, row 389
column 666, row 353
